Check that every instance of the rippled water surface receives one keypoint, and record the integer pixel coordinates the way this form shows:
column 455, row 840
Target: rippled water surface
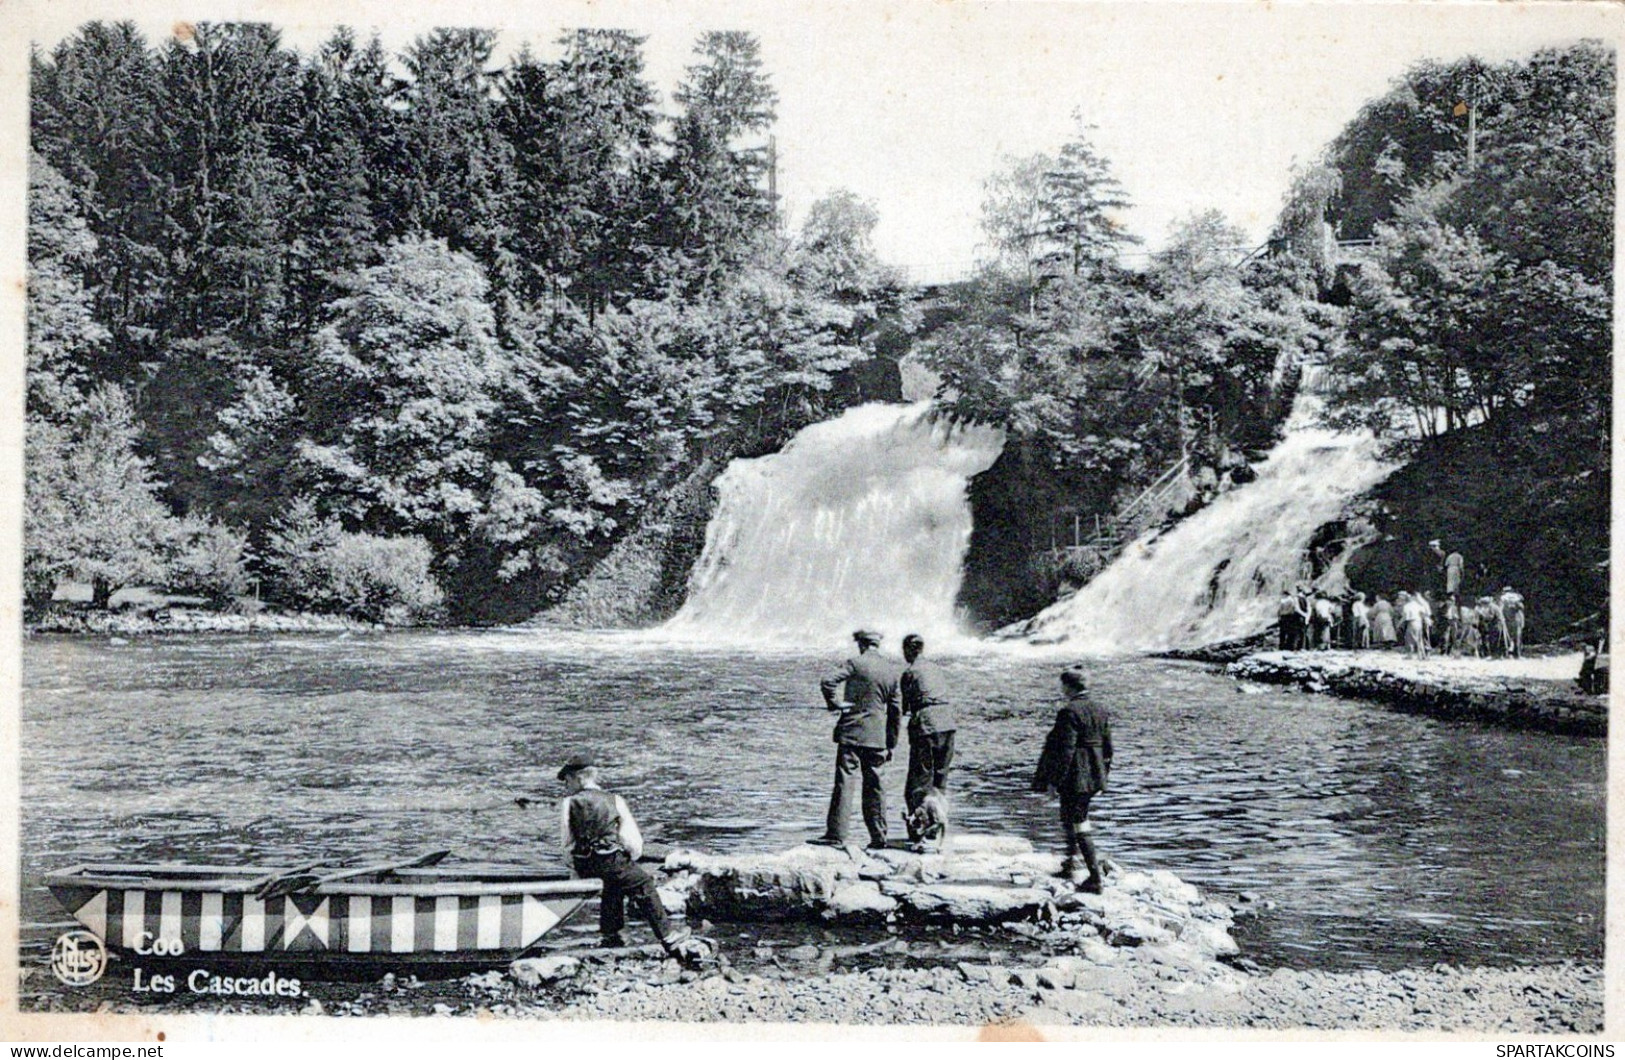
column 1383, row 840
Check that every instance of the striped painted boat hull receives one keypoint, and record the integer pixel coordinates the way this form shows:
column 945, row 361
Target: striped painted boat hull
column 418, row 916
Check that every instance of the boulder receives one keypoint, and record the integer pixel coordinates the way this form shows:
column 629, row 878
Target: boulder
column 982, row 880
column 972, row 903
column 794, row 885
column 1210, row 938
column 534, row 971
column 859, row 902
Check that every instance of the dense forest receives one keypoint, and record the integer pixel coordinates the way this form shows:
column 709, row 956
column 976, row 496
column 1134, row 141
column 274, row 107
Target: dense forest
column 1479, row 322
column 1447, row 262
column 417, row 338
column 374, row 333
column 1103, row 375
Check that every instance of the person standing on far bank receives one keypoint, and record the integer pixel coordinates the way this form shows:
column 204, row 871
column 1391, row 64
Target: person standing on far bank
column 1451, row 564
column 1512, row 620
column 865, row 736
column 930, row 729
column 1290, row 621
column 1360, row 622
column 1076, row 762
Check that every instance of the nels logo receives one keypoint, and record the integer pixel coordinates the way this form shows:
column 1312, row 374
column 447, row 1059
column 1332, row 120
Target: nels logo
column 78, row 958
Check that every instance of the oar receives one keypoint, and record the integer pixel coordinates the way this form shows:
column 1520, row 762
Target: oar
column 261, row 883
column 309, row 881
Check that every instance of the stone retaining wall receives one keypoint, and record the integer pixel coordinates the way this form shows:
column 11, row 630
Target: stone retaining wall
column 1551, row 706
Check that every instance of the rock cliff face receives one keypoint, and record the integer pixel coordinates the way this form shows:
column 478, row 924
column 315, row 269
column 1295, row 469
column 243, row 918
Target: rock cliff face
column 982, row 880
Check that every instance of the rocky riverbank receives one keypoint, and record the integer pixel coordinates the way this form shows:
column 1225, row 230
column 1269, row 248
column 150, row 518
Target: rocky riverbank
column 967, row 981
column 982, row 881
column 985, row 935
column 1142, row 987
column 136, row 622
column 1527, row 693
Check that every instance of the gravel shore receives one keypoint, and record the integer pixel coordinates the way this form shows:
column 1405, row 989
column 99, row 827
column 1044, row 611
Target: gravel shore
column 1141, row 990
column 1146, row 986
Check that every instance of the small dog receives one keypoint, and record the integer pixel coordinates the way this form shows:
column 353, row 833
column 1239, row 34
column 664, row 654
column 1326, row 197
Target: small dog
column 929, row 821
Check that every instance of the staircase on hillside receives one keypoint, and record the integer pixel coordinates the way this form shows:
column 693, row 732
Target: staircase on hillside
column 1097, row 547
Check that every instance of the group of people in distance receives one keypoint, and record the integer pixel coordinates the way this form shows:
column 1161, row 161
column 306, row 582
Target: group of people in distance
column 1455, row 625
column 872, row 696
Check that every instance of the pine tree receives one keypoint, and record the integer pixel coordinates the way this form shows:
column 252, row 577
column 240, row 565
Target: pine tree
column 94, row 106
column 223, row 114
column 718, row 169
column 455, row 169
column 584, row 139
column 342, row 137
column 1080, row 199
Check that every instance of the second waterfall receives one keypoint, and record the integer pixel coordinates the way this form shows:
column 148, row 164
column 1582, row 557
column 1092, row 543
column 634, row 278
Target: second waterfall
column 862, row 520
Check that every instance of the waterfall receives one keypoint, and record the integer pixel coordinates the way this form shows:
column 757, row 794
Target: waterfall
column 860, row 521
column 1218, row 574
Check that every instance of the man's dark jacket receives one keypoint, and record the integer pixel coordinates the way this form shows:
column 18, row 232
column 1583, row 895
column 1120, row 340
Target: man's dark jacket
column 867, row 681
column 1077, row 754
column 925, row 701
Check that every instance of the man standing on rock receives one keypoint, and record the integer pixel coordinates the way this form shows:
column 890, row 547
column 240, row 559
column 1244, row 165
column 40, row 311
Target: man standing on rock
column 865, row 736
column 930, row 730
column 1076, row 762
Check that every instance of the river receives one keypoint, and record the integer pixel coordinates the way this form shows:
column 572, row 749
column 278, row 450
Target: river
column 1383, row 840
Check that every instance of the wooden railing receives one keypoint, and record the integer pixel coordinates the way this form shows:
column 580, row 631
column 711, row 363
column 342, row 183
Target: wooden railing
column 1107, row 536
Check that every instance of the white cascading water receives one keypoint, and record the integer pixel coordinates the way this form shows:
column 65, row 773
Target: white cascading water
column 860, row 521
column 1218, row 574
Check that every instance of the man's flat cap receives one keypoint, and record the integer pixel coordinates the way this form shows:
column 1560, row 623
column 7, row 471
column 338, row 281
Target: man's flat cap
column 576, row 765
column 866, row 636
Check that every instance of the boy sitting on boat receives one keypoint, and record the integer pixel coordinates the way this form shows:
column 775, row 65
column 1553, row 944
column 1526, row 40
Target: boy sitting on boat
column 600, row 839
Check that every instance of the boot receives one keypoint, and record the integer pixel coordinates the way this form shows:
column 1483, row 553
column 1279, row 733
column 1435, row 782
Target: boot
column 1091, row 885
column 1071, row 868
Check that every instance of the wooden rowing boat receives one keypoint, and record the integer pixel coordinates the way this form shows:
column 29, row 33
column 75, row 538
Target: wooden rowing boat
column 386, row 917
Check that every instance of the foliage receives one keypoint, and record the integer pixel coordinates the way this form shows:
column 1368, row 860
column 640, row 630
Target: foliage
column 1013, row 213
column 402, row 387
column 1487, row 297
column 1078, row 210
column 499, row 311
column 316, row 565
column 91, row 509
column 64, row 336
column 93, row 115
column 1228, row 330
column 718, row 166
column 1091, row 368
column 584, row 139
column 210, row 560
column 222, row 98
column 1480, row 320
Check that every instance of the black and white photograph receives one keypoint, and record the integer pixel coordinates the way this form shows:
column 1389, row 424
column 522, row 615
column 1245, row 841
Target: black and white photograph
column 983, row 521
